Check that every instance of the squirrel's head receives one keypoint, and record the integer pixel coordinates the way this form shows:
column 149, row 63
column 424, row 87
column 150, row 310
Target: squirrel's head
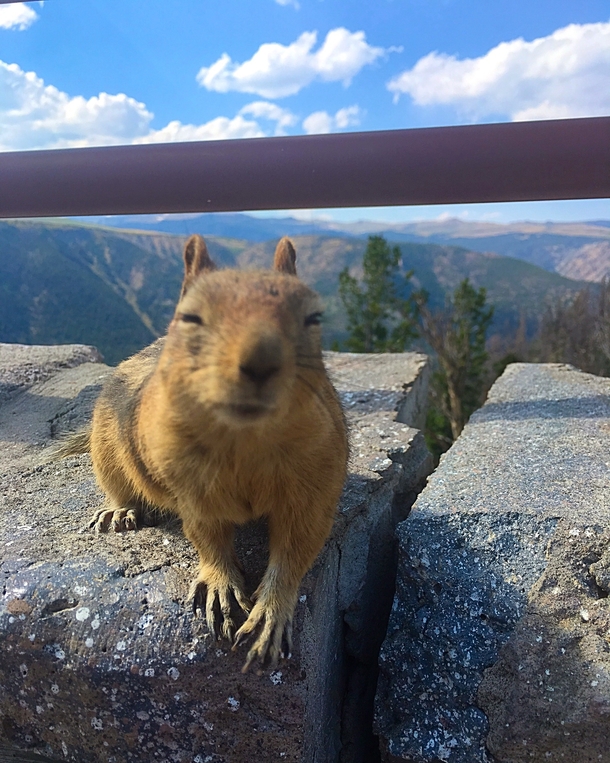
column 241, row 343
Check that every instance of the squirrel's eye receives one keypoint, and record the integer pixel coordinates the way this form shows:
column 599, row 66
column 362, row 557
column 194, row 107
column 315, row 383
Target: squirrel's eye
column 191, row 318
column 314, row 319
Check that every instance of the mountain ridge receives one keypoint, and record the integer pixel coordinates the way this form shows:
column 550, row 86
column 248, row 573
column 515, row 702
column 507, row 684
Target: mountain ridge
column 579, row 250
column 117, row 289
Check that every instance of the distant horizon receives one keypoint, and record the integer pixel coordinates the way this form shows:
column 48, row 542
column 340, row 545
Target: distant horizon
column 572, row 210
column 392, row 216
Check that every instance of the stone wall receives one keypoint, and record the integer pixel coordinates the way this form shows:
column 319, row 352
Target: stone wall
column 498, row 646
column 100, row 658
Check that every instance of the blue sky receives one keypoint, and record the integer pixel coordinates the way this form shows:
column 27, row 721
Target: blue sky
column 101, row 72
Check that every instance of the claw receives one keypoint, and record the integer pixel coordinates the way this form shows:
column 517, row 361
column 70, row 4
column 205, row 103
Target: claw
column 244, row 602
column 249, row 660
column 268, row 647
column 209, row 599
column 117, row 519
column 286, row 653
column 197, row 596
column 209, row 612
column 228, row 626
column 130, row 522
column 240, row 638
column 100, row 520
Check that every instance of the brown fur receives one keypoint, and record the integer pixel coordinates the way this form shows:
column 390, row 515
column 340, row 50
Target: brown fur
column 229, row 418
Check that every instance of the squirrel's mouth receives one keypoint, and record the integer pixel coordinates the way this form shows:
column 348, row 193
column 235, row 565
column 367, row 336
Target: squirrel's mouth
column 247, row 411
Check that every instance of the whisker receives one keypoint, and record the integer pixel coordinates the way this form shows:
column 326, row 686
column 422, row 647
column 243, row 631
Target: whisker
column 335, row 377
column 336, row 380
column 314, row 390
column 336, row 416
column 310, row 366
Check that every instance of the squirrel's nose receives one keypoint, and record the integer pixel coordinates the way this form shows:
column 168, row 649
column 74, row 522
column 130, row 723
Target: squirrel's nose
column 263, row 360
column 258, row 373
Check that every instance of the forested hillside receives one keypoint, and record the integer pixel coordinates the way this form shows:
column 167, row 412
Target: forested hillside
column 575, row 250
column 117, row 289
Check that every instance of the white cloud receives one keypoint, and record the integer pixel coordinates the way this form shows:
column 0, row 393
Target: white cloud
column 17, row 16
column 323, row 122
column 220, row 128
column 276, row 70
column 349, row 117
column 566, row 74
column 36, row 115
column 318, row 122
column 295, row 3
column 283, row 118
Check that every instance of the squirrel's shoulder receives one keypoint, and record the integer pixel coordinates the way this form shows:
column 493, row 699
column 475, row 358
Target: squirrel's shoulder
column 131, row 374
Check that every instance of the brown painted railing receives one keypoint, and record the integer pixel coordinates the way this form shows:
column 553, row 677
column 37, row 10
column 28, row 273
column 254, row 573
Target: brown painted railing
column 526, row 161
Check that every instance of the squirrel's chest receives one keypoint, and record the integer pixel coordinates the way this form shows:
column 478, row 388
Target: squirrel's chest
column 240, row 484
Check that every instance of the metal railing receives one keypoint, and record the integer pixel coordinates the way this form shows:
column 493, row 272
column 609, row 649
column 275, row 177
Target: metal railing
column 523, row 161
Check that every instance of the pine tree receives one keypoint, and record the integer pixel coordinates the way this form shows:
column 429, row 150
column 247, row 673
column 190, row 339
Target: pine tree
column 378, row 319
column 457, row 335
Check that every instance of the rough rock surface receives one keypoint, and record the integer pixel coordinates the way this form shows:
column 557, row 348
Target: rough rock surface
column 498, row 646
column 100, row 658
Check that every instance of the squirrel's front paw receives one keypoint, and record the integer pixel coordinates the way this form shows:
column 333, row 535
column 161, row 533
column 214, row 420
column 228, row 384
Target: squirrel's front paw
column 115, row 519
column 275, row 639
column 215, row 600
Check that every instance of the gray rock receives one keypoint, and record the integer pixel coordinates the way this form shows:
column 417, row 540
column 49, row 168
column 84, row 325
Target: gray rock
column 498, row 641
column 393, row 381
column 100, row 658
column 22, row 364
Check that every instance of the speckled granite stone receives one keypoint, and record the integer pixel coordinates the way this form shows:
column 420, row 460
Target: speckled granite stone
column 498, row 646
column 101, row 660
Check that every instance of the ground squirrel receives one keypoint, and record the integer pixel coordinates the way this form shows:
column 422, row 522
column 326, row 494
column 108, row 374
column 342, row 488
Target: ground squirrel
column 229, row 418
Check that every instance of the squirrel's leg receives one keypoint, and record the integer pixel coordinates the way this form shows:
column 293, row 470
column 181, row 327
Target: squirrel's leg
column 219, row 575
column 295, row 539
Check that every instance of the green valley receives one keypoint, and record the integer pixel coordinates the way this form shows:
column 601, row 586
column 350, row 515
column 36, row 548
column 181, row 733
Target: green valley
column 64, row 282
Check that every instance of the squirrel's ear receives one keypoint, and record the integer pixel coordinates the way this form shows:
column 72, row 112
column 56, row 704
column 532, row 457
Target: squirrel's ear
column 285, row 257
column 196, row 260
